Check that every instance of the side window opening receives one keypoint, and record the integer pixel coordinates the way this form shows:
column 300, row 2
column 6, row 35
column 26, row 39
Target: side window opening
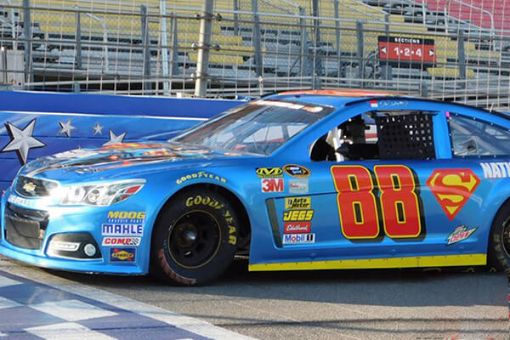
column 476, row 138
column 378, row 135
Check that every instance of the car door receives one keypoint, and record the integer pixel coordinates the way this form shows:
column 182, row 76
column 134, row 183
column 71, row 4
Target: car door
column 374, row 200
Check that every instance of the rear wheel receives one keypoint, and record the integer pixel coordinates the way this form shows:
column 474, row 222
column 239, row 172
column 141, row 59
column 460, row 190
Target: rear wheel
column 195, row 238
column 500, row 240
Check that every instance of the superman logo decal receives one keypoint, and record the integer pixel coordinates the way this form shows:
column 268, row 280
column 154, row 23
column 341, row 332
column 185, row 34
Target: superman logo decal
column 452, row 188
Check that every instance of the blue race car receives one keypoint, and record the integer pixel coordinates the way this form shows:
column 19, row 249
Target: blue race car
column 298, row 181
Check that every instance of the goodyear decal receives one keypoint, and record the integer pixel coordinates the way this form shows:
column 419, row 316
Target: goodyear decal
column 298, row 215
column 200, row 174
column 297, row 170
column 452, row 188
column 298, row 202
column 269, row 172
column 203, row 200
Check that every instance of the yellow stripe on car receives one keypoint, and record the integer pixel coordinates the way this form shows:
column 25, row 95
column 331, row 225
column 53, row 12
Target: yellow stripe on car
column 393, row 262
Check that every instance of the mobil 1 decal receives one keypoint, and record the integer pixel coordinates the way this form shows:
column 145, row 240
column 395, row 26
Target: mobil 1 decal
column 384, row 202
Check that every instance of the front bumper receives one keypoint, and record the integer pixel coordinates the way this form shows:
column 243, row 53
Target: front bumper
column 82, row 223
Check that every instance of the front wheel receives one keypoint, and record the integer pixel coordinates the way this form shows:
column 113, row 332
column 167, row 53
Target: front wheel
column 195, row 238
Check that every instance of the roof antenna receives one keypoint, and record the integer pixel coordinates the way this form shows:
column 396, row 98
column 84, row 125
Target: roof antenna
column 492, row 107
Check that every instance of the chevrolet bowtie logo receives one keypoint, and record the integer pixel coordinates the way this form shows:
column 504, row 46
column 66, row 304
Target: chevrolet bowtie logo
column 29, row 187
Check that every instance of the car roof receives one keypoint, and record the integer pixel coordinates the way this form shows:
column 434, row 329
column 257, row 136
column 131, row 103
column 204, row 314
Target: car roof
column 336, row 97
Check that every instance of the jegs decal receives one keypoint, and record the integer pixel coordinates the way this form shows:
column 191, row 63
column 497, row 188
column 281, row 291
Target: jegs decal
column 452, row 188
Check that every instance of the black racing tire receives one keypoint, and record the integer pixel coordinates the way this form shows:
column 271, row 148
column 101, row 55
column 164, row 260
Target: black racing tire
column 194, row 238
column 499, row 241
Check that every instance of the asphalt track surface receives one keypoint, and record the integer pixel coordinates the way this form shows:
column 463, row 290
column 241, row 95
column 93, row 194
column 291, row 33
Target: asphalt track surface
column 383, row 304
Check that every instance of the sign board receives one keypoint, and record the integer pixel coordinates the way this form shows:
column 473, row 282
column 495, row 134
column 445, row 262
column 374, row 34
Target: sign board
column 407, row 50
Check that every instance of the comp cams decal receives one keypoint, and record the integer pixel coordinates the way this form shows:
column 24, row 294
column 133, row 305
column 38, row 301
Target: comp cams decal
column 121, row 241
column 452, row 188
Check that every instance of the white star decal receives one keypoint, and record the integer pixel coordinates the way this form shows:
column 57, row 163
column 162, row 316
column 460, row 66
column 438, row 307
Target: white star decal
column 98, row 129
column 66, row 128
column 114, row 139
column 22, row 141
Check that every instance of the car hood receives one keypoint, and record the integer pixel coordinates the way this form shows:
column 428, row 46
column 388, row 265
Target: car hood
column 120, row 159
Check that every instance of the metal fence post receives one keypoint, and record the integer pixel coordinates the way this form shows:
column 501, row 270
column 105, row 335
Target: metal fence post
column 164, row 48
column 462, row 55
column 174, row 56
column 360, row 50
column 304, row 57
column 146, row 50
column 317, row 38
column 336, row 4
column 204, row 45
column 236, row 16
column 259, row 68
column 27, row 31
column 77, row 56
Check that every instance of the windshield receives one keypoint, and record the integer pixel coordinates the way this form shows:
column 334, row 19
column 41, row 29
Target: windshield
column 259, row 127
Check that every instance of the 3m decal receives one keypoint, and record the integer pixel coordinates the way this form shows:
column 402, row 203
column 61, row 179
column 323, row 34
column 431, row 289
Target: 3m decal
column 269, row 172
column 272, row 184
column 298, row 215
column 297, row 227
column 200, row 174
column 298, row 202
column 460, row 234
column 121, row 241
column 298, row 186
column 298, row 238
column 357, row 202
column 122, row 254
column 494, row 170
column 296, row 170
column 452, row 188
column 203, row 200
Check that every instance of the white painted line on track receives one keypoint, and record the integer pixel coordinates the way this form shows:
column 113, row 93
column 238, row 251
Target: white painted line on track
column 190, row 324
column 67, row 331
column 72, row 310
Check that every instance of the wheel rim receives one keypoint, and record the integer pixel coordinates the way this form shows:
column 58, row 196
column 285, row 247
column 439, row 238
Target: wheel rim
column 194, row 239
column 506, row 238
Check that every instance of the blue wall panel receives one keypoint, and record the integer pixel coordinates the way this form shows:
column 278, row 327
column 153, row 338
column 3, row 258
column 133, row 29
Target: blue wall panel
column 51, row 122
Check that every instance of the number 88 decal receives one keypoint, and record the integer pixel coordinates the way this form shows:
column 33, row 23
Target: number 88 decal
column 357, row 202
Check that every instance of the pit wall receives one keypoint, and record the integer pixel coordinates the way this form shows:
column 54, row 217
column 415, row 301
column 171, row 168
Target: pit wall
column 35, row 124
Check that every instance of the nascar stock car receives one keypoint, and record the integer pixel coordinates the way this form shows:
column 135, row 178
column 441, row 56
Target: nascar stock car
column 299, row 181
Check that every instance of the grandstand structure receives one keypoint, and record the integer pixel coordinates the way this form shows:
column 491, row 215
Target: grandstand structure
column 455, row 50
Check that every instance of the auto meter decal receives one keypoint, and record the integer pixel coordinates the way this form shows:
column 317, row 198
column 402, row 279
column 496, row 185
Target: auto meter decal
column 452, row 188
column 296, row 170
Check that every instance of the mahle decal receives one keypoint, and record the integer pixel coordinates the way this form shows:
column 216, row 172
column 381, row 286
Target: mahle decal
column 452, row 188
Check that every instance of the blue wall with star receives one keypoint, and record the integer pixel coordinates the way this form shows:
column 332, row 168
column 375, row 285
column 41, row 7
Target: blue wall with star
column 35, row 124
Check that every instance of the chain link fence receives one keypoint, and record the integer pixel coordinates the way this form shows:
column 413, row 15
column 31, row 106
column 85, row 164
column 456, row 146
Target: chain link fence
column 449, row 50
